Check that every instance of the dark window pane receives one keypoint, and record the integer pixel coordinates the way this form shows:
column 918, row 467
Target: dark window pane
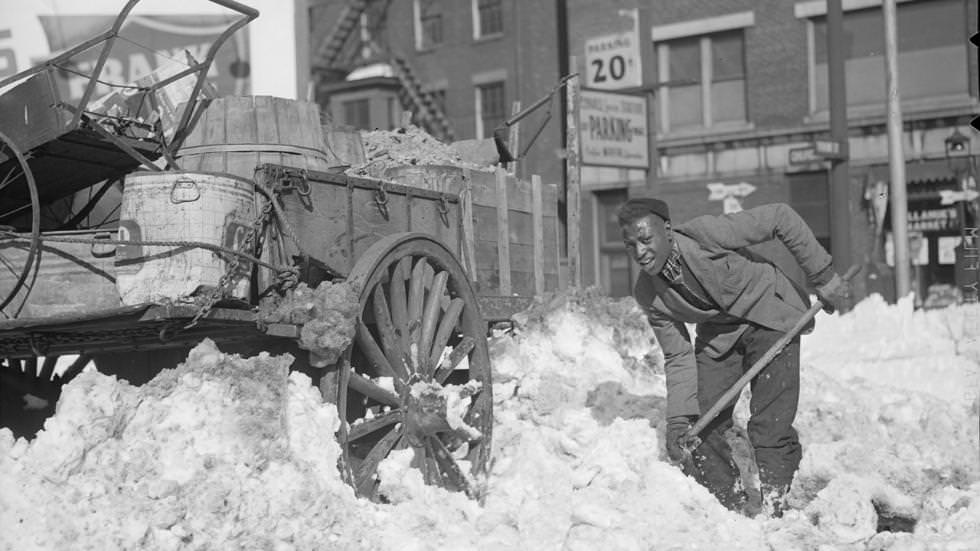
column 685, row 61
column 357, row 113
column 609, row 202
column 727, row 56
column 491, row 17
column 492, row 106
column 932, row 56
column 431, row 19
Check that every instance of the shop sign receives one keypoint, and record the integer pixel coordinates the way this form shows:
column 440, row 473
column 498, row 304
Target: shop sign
column 613, row 61
column 613, row 129
column 933, row 220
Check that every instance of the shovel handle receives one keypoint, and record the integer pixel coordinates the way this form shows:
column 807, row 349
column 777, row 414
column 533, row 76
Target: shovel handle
column 690, row 439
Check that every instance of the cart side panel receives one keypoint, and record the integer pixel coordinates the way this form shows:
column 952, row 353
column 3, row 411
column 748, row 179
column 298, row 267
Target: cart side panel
column 341, row 218
column 522, row 254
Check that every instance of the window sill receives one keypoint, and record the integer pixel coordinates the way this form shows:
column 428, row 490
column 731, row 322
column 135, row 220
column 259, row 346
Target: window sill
column 488, row 38
column 714, row 132
column 918, row 108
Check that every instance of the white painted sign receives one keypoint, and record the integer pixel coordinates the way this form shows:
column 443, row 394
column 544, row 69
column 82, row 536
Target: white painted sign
column 730, row 195
column 948, row 197
column 613, row 61
column 613, row 129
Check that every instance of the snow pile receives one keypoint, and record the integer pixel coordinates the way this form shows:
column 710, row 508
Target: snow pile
column 327, row 314
column 224, row 452
column 218, row 453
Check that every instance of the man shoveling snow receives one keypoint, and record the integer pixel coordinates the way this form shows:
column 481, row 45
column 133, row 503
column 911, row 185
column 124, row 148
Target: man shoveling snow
column 700, row 272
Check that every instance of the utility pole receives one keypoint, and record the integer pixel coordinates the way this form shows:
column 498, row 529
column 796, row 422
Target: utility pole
column 896, row 157
column 840, row 200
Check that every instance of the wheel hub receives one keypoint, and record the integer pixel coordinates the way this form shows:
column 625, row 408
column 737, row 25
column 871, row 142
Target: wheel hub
column 425, row 412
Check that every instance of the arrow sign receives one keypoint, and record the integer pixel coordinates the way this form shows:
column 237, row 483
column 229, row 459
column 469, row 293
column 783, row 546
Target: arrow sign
column 718, row 191
column 948, row 197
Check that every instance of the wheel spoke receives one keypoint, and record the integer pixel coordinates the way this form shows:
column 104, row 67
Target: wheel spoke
column 76, row 367
column 373, row 390
column 448, row 468
column 10, row 177
column 369, row 467
column 373, row 352
column 430, row 316
column 416, row 296
column 389, row 340
column 362, row 429
column 446, row 326
column 461, row 350
column 399, row 301
column 47, row 368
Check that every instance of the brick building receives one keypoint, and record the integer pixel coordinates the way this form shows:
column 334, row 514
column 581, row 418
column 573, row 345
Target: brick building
column 739, row 95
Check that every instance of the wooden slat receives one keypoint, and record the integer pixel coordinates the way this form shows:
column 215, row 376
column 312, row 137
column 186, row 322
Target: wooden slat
column 537, row 231
column 503, row 232
column 469, row 237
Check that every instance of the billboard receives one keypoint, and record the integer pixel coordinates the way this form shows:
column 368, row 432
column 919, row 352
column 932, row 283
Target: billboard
column 157, row 34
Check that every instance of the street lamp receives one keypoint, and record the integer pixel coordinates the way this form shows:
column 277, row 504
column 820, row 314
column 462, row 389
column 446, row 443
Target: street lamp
column 959, row 158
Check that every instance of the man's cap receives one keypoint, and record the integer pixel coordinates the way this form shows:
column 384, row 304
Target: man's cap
column 649, row 204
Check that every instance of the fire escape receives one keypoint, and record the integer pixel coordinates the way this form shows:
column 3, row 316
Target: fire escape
column 340, row 48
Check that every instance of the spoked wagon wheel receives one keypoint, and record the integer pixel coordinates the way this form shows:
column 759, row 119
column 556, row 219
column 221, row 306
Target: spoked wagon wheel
column 418, row 373
column 16, row 178
column 29, row 394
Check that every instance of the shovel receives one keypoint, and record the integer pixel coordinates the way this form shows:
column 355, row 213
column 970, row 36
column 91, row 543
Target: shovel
column 690, row 440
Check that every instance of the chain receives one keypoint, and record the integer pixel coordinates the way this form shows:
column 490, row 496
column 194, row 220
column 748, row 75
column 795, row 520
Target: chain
column 234, row 271
column 444, row 209
column 381, row 200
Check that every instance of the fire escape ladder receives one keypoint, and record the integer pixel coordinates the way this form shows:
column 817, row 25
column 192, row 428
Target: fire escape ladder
column 332, row 44
column 428, row 111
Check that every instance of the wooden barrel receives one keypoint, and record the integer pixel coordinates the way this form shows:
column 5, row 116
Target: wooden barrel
column 235, row 134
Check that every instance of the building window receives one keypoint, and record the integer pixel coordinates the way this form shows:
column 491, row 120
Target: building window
column 428, row 24
column 615, row 271
column 705, row 81
column 488, row 18
column 357, row 113
column 932, row 54
column 490, row 108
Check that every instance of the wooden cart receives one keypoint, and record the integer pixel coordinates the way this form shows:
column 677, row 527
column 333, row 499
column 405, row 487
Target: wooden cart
column 430, row 266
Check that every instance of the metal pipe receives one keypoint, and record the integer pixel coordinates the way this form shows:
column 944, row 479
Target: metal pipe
column 840, row 203
column 896, row 157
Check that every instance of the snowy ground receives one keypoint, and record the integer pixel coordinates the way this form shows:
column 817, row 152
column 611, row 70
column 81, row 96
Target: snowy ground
column 229, row 453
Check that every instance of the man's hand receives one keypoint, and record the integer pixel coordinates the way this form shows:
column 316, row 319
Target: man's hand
column 677, row 427
column 835, row 294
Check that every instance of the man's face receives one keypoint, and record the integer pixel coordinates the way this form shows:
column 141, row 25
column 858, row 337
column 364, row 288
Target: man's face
column 648, row 242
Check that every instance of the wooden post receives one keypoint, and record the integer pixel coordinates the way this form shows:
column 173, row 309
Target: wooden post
column 503, row 233
column 537, row 234
column 469, row 238
column 573, row 187
column 514, row 138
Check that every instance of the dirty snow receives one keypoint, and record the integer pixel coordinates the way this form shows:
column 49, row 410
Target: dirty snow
column 225, row 452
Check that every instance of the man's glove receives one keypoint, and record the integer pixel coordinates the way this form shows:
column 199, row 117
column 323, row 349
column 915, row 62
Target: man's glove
column 835, row 294
column 677, row 427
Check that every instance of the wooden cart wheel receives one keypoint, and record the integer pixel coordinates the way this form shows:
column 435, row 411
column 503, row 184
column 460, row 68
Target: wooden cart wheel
column 420, row 333
column 28, row 395
column 16, row 177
